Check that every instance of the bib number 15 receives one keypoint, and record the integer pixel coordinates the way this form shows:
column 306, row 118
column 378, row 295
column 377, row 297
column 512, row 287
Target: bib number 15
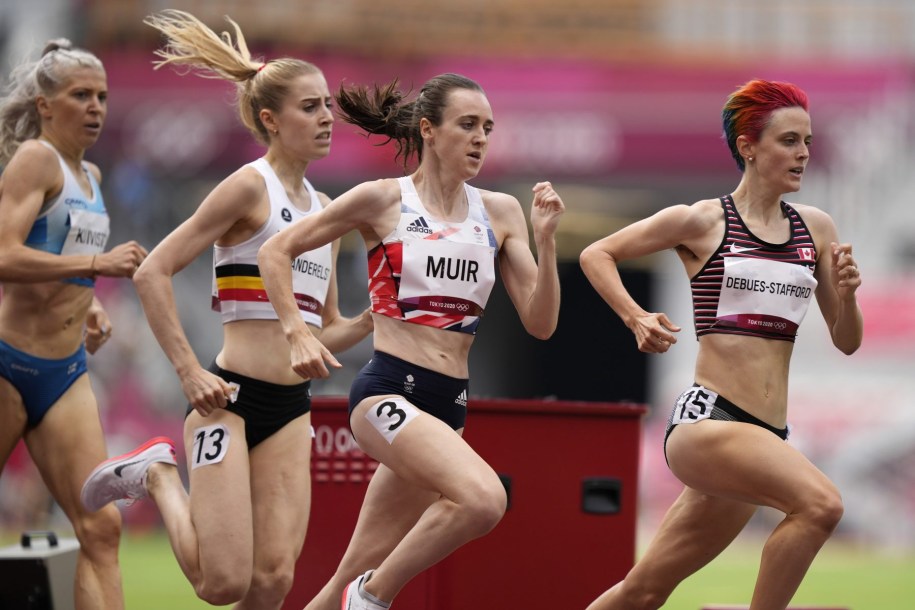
column 694, row 405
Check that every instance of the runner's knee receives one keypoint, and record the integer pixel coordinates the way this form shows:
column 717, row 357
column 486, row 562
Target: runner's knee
column 485, row 505
column 222, row 582
column 271, row 582
column 825, row 509
column 99, row 532
column 222, row 590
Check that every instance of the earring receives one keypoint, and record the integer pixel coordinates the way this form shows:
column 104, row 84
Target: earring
column 276, row 131
column 750, row 159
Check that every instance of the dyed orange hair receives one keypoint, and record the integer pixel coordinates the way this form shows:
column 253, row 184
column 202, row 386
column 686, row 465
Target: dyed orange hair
column 748, row 110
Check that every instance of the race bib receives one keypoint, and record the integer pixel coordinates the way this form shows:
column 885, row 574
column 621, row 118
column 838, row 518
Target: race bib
column 694, row 405
column 311, row 280
column 446, row 277
column 765, row 295
column 88, row 232
column 390, row 416
column 211, row 444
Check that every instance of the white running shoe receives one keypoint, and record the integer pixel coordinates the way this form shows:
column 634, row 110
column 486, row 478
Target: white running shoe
column 124, row 477
column 355, row 597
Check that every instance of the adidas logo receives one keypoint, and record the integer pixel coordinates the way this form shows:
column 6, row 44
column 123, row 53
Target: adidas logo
column 461, row 399
column 419, row 226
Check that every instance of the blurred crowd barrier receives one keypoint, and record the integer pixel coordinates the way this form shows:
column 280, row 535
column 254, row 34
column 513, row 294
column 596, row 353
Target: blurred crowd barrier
column 640, row 30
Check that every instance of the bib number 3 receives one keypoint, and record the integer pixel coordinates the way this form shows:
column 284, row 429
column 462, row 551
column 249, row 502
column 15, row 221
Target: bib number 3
column 390, row 416
column 211, row 444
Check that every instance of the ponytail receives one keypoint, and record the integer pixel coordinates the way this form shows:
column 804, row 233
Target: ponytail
column 259, row 84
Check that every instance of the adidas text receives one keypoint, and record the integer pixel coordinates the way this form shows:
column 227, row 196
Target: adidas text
column 419, row 226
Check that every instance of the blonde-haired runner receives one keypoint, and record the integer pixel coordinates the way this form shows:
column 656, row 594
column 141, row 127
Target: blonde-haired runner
column 53, row 231
column 247, row 432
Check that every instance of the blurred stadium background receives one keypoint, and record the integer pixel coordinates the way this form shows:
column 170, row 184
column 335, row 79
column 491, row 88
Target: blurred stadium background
column 615, row 101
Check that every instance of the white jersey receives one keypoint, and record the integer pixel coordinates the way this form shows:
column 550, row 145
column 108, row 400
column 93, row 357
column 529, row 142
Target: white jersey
column 238, row 291
column 433, row 272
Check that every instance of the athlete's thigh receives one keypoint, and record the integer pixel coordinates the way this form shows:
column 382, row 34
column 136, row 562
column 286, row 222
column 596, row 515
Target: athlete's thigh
column 744, row 462
column 12, row 420
column 220, row 491
column 281, row 491
column 390, row 509
column 390, row 499
column 695, row 529
column 424, row 452
column 68, row 443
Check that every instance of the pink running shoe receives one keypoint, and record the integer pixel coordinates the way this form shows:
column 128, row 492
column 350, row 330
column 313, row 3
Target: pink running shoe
column 124, row 477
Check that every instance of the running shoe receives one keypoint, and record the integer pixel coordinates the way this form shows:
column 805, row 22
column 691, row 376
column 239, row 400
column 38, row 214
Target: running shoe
column 355, row 597
column 124, row 477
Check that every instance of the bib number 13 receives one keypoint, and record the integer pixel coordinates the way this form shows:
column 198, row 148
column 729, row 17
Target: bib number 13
column 211, row 444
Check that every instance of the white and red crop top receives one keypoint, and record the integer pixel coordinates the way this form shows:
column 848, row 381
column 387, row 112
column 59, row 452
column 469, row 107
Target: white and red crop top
column 238, row 290
column 752, row 287
column 433, row 272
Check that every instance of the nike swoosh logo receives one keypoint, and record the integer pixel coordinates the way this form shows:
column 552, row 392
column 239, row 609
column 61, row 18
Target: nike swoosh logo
column 118, row 469
column 735, row 249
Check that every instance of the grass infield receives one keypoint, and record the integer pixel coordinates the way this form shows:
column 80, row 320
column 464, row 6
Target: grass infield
column 843, row 575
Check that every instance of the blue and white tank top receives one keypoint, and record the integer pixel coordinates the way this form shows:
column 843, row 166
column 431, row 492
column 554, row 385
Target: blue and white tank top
column 71, row 222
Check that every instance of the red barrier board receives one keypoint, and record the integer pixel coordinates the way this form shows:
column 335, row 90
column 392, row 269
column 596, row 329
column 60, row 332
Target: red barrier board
column 571, row 472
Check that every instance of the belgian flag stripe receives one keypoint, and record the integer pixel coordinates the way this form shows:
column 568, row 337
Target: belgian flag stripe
column 242, row 282
column 241, row 294
column 238, row 269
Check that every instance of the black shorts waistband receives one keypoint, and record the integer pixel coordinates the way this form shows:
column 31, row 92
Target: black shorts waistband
column 266, row 407
column 740, row 415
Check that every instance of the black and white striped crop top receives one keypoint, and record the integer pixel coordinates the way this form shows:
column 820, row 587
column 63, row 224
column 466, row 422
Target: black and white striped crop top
column 752, row 287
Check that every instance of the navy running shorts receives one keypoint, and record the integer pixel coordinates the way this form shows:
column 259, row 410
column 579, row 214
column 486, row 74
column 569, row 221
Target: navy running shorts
column 438, row 395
